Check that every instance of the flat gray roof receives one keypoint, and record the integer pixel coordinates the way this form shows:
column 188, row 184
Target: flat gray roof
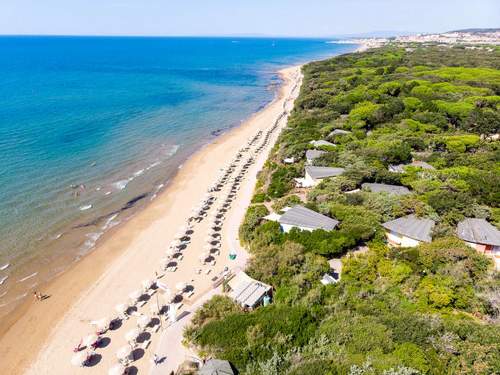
column 216, row 367
column 391, row 189
column 412, row 227
column 249, row 292
column 478, row 231
column 338, row 132
column 313, row 154
column 322, row 142
column 323, row 172
column 304, row 217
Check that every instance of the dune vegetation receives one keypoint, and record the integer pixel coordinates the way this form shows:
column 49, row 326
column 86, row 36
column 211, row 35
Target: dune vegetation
column 431, row 309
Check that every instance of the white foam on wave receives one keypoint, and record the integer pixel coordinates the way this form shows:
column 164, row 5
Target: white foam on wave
column 27, row 277
column 92, row 239
column 110, row 223
column 57, row 236
column 3, row 279
column 122, row 184
column 3, row 294
column 85, row 207
column 138, row 173
column 5, row 266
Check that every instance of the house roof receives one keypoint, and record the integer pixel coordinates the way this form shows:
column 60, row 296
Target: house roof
column 247, row 291
column 391, row 189
column 300, row 216
column 323, row 172
column 216, row 367
column 313, row 154
column 478, row 231
column 400, row 168
column 412, row 227
column 322, row 142
column 338, row 132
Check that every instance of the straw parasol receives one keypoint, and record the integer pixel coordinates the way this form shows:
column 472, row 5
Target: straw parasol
column 79, row 359
column 123, row 352
column 117, row 369
column 90, row 339
column 132, row 335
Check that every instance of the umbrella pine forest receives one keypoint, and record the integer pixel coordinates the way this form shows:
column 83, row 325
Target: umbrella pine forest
column 429, row 309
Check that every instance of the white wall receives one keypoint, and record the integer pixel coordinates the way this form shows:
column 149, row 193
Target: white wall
column 398, row 240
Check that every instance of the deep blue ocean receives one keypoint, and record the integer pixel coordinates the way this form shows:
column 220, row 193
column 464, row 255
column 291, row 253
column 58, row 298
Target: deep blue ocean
column 88, row 124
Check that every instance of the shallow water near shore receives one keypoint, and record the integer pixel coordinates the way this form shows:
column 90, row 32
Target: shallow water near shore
column 91, row 129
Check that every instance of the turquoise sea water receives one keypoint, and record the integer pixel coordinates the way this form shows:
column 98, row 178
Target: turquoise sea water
column 92, row 127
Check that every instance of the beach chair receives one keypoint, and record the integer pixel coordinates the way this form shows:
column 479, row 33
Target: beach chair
column 144, row 345
column 190, row 294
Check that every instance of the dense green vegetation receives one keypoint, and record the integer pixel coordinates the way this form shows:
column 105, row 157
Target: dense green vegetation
column 433, row 309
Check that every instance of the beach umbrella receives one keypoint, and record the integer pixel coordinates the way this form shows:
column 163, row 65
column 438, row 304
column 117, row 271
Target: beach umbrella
column 123, row 353
column 103, row 324
column 121, row 308
column 135, row 295
column 143, row 321
column 79, row 359
column 146, row 284
column 180, row 286
column 132, row 335
column 117, row 369
column 175, row 243
column 90, row 339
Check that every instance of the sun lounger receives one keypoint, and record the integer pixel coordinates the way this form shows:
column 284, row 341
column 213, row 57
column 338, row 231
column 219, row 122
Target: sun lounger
column 189, row 294
column 141, row 303
column 208, row 271
column 172, row 269
column 212, row 263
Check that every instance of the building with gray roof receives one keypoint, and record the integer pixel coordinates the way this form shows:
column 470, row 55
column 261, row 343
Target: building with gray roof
column 247, row 292
column 400, row 168
column 338, row 132
column 313, row 154
column 409, row 231
column 478, row 231
column 305, row 219
column 322, row 142
column 390, row 189
column 216, row 367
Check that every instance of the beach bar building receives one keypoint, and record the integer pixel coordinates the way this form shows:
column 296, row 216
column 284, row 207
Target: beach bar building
column 384, row 188
column 408, row 231
column 482, row 236
column 247, row 292
column 314, row 175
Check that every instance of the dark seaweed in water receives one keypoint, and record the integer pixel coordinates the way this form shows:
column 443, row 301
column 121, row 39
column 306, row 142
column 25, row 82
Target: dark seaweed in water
column 131, row 203
column 217, row 132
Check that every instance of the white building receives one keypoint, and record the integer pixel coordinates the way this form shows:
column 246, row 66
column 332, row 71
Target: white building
column 482, row 236
column 314, row 175
column 408, row 231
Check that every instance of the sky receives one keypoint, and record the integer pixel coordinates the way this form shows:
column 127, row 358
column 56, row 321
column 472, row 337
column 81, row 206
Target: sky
column 306, row 18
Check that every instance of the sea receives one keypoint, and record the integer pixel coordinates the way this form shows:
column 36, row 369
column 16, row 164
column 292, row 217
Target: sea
column 93, row 128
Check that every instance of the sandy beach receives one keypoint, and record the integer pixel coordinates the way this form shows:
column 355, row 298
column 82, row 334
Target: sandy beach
column 40, row 337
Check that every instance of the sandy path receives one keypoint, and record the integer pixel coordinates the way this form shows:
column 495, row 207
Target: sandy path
column 106, row 277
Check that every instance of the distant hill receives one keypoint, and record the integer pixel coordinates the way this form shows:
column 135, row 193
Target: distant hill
column 476, row 31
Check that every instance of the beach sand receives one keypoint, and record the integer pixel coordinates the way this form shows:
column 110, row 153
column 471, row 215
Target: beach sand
column 40, row 337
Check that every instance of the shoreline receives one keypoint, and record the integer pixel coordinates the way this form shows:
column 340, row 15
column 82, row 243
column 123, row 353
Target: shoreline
column 34, row 324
